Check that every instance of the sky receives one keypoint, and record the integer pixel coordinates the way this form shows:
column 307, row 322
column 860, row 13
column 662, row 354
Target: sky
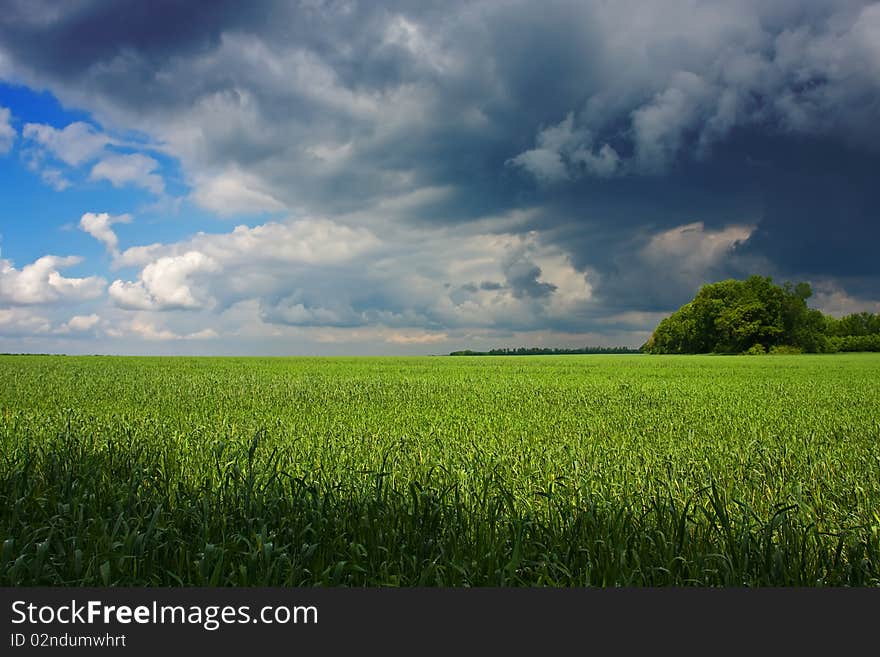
column 340, row 177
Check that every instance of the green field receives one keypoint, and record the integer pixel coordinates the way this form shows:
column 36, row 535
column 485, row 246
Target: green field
column 556, row 470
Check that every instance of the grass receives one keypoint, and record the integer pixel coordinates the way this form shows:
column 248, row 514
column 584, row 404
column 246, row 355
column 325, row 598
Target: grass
column 551, row 470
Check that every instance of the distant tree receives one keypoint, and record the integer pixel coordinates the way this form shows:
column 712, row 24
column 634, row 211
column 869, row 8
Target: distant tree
column 734, row 316
column 856, row 324
column 545, row 351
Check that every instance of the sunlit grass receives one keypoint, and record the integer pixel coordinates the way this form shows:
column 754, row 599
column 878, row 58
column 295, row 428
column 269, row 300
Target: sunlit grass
column 568, row 470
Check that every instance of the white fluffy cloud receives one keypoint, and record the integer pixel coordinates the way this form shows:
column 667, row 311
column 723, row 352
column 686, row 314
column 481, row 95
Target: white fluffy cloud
column 16, row 322
column 79, row 324
column 50, row 149
column 148, row 330
column 55, row 178
column 316, row 272
column 40, row 282
column 98, row 225
column 304, row 241
column 7, row 132
column 418, row 337
column 692, row 249
column 830, row 298
column 168, row 283
column 131, row 168
column 75, row 144
column 247, row 261
column 234, row 192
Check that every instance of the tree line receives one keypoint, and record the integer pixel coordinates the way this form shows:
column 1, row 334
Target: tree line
column 545, row 351
column 756, row 316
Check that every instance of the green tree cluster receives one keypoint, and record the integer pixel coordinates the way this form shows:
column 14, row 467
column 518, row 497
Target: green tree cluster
column 545, row 351
column 755, row 316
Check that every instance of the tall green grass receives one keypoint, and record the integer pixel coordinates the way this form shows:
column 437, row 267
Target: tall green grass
column 561, row 471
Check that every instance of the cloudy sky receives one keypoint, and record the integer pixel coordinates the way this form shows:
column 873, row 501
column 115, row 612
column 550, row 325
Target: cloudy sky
column 325, row 177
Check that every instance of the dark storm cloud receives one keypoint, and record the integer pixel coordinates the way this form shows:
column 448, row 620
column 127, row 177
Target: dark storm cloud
column 753, row 125
column 522, row 278
column 75, row 35
column 821, row 211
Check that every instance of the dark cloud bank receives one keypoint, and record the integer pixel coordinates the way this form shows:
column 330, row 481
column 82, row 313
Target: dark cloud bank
column 659, row 145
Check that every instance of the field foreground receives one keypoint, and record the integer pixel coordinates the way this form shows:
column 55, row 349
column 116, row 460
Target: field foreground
column 557, row 470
